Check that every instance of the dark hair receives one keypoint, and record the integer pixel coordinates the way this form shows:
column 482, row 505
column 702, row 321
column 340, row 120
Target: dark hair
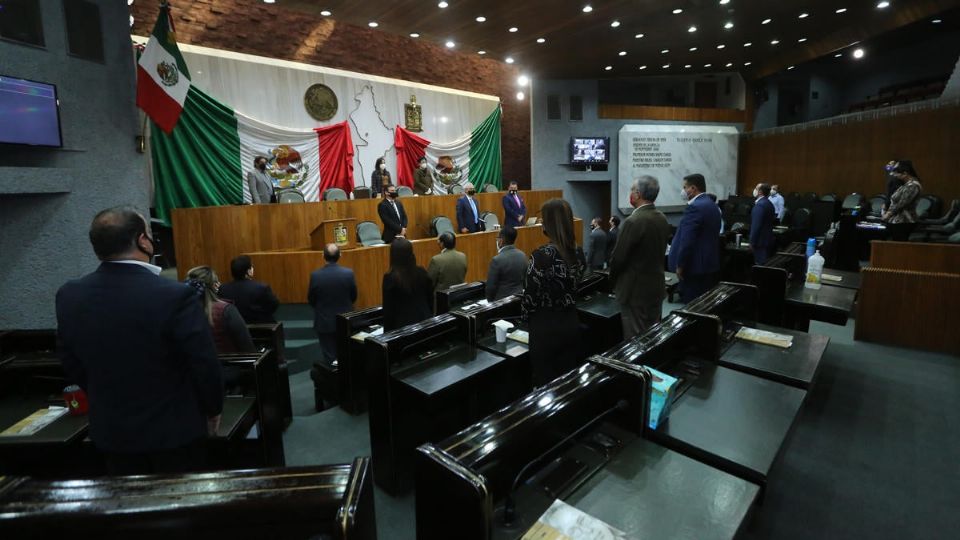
column 905, row 166
column 448, row 240
column 331, row 253
column 422, row 159
column 508, row 235
column 697, row 181
column 403, row 263
column 377, row 164
column 258, row 158
column 513, row 183
column 239, row 267
column 115, row 231
column 206, row 276
column 558, row 226
column 615, row 220
column 764, row 189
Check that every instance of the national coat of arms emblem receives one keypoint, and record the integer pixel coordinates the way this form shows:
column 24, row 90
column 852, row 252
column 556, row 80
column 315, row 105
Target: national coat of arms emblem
column 169, row 75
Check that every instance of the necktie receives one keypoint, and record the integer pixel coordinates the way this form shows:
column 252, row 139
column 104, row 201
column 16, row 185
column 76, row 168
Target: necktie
column 397, row 210
column 517, row 198
column 473, row 205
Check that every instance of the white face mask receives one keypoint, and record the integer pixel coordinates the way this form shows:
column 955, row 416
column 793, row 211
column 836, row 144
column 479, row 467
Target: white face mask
column 755, row 193
column 423, row 165
column 683, row 195
column 383, row 166
column 773, row 192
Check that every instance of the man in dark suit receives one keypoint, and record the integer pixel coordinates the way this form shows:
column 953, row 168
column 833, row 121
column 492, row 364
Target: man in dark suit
column 597, row 252
column 142, row 349
column 507, row 268
column 332, row 291
column 762, row 219
column 695, row 250
column 254, row 300
column 514, row 209
column 392, row 215
column 612, row 235
column 468, row 211
column 636, row 265
column 449, row 267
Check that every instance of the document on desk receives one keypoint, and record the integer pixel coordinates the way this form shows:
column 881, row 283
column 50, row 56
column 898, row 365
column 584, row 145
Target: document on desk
column 831, row 277
column 564, row 522
column 35, row 422
column 784, row 341
column 520, row 335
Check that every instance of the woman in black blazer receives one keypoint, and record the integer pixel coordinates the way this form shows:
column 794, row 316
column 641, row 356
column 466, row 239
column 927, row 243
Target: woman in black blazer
column 407, row 288
column 380, row 177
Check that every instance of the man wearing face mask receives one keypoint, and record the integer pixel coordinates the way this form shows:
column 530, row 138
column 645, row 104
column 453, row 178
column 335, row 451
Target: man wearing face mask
column 514, row 209
column 695, row 249
column 449, row 267
column 776, row 199
column 259, row 182
column 142, row 349
column 597, row 253
column 468, row 211
column 422, row 181
column 392, row 215
column 507, row 268
column 762, row 219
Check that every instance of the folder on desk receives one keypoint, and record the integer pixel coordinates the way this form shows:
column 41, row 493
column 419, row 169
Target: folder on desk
column 564, row 522
column 36, row 421
column 519, row 335
column 784, row 341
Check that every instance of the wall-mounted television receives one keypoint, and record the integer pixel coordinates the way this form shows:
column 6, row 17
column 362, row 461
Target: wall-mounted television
column 29, row 113
column 589, row 150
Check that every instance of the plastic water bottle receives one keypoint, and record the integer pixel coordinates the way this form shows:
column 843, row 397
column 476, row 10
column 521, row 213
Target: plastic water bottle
column 814, row 271
column 811, row 246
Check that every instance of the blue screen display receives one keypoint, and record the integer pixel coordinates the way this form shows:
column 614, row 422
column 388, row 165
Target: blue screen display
column 29, row 113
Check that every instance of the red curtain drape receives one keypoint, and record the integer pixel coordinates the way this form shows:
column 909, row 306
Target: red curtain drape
column 410, row 148
column 336, row 157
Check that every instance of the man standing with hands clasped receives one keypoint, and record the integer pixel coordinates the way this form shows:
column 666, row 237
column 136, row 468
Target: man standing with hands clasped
column 392, row 215
column 762, row 219
column 514, row 209
column 695, row 250
column 468, row 213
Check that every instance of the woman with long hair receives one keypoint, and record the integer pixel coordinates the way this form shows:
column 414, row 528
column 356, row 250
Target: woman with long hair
column 380, row 177
column 407, row 288
column 549, row 296
column 901, row 215
column 230, row 333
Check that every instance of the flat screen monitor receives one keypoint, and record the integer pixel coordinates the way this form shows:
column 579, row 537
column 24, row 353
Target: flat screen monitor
column 29, row 113
column 589, row 150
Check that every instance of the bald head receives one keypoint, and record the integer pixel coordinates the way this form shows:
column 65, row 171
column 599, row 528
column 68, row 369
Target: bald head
column 331, row 253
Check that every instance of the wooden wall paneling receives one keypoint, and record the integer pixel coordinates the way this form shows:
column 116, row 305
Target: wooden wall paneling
column 921, row 257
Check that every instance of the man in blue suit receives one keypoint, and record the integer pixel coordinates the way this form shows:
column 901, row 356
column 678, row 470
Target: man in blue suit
column 762, row 218
column 332, row 291
column 142, row 349
column 468, row 211
column 514, row 209
column 695, row 249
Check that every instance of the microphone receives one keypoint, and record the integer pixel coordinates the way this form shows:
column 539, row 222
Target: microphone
column 509, row 506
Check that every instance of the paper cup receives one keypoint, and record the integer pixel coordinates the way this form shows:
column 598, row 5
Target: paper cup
column 501, row 335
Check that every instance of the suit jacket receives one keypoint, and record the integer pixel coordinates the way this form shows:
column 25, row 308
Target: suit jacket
column 505, row 274
column 142, row 349
column 612, row 241
column 762, row 219
column 636, row 265
column 254, row 300
column 402, row 306
column 597, row 254
column 512, row 212
column 332, row 291
column 447, row 269
column 392, row 225
column 465, row 216
column 422, row 182
column 696, row 244
column 261, row 187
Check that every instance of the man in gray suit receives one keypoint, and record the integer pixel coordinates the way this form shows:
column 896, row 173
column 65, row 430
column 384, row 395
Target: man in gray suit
column 597, row 253
column 636, row 265
column 505, row 275
column 259, row 182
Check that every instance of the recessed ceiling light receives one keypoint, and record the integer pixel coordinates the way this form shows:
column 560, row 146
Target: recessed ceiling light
column 728, row 25
column 842, row 10
column 883, row 5
column 442, row 5
column 729, row 64
column 643, row 67
column 638, row 36
column 608, row 68
column 936, row 21
column 775, row 42
column 372, row 24
column 766, row 21
column 481, row 52
column 414, row 35
column 129, row 2
column 622, row 53
column 724, row 2
column 541, row 40
column 587, row 8
column 801, row 40
column 512, row 29
column 858, row 53
column 791, row 67
column 838, row 55
column 508, row 59
column 614, row 24
column 131, row 20
column 747, row 44
column 747, row 63
column 803, row 15
column 450, row 44
column 707, row 65
column 523, row 80
column 264, row 1
column 692, row 49
column 665, row 66
column 665, row 51
column 721, row 46
column 687, row 66
column 677, row 11
column 481, row 19
column 692, row 29
column 326, row 13
column 520, row 96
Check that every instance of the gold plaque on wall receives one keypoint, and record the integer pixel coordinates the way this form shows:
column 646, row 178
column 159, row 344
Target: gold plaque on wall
column 413, row 115
column 320, row 102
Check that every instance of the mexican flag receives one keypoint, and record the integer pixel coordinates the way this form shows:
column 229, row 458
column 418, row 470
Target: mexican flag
column 474, row 157
column 163, row 81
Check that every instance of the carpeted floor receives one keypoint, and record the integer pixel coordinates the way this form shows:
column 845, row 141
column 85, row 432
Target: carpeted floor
column 874, row 453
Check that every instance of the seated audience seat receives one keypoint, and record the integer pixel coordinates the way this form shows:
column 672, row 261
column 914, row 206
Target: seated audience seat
column 809, row 196
column 876, row 205
column 334, row 194
column 404, row 191
column 368, row 234
column 455, row 189
column 440, row 225
column 290, row 196
column 936, row 233
column 922, row 207
column 362, row 192
column 853, row 201
column 829, row 197
column 946, row 217
column 490, row 221
column 490, row 188
column 800, row 224
column 936, row 205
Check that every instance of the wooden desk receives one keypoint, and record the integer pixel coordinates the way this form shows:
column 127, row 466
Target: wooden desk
column 850, row 280
column 796, row 366
column 600, row 313
column 828, row 304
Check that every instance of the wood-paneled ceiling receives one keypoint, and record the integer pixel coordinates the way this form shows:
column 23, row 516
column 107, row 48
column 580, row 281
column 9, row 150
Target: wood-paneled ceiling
column 616, row 37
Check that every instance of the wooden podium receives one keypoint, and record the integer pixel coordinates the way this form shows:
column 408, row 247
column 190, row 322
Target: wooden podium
column 334, row 231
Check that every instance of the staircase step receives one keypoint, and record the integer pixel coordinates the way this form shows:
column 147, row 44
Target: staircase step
column 301, row 354
column 299, row 329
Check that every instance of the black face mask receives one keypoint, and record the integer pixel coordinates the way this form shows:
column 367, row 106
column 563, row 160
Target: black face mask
column 471, row 193
column 392, row 195
column 153, row 247
column 513, row 192
column 262, row 166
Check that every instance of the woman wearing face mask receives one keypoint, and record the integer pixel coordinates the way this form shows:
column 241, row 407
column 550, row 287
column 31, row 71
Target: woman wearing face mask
column 380, row 178
column 422, row 181
column 230, row 333
column 901, row 215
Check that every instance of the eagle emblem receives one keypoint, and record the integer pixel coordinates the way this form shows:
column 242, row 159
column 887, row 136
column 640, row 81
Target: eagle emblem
column 169, row 75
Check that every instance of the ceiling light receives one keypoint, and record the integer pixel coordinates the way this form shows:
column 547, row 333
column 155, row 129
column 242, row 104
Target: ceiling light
column 587, row 8
column 481, row 19
column 643, row 67
column 129, row 2
column 508, row 59
column 766, row 21
column 622, row 53
column 707, row 65
column 326, row 13
column 747, row 44
column 541, row 40
column 450, row 44
column 775, row 42
column 841, row 10
column 665, row 51
column 614, row 24
column 724, row 2
column 665, row 66
column 883, row 5
column 801, row 40
column 608, row 68
column 791, row 67
column 838, row 55
column 692, row 49
column 858, row 53
column 747, row 63
column 936, row 21
column 481, row 52
column 692, row 29
column 729, row 64
column 264, row 1
column 442, row 5
column 372, row 24
column 638, row 36
column 131, row 20
column 523, row 80
column 803, row 15
column 677, row 11
column 688, row 66
column 728, row 25
column 414, row 35
column 721, row 46
column 512, row 29
column 520, row 96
